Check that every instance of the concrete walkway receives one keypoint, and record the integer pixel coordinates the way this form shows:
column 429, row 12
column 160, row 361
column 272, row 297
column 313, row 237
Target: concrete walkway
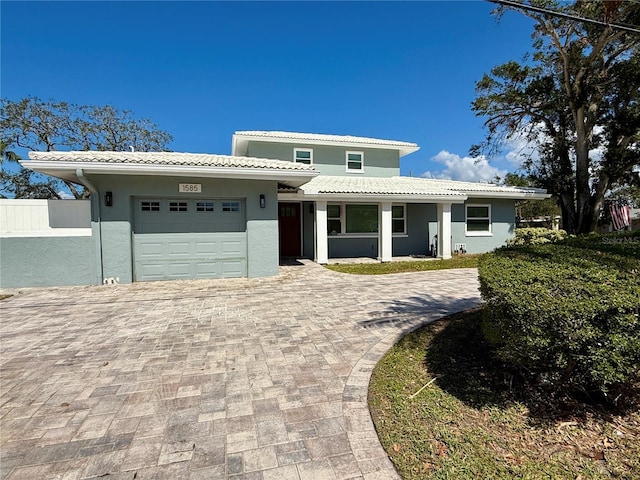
column 238, row 379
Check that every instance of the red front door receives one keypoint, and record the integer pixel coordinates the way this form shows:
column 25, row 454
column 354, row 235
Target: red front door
column 289, row 229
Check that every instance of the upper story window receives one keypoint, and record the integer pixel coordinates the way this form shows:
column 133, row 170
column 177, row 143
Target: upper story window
column 355, row 162
column 303, row 155
column 478, row 219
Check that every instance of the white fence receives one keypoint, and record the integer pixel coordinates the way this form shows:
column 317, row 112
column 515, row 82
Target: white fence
column 45, row 218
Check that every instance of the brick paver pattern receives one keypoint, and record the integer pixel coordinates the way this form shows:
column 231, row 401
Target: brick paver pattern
column 205, row 379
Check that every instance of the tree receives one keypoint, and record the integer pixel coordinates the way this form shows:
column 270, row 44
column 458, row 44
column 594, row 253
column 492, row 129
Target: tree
column 577, row 101
column 39, row 125
column 532, row 209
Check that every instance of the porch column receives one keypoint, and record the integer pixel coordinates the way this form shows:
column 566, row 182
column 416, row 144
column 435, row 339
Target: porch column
column 444, row 230
column 322, row 239
column 385, row 237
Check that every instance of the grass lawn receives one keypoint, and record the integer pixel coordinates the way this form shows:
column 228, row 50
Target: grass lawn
column 458, row 261
column 445, row 408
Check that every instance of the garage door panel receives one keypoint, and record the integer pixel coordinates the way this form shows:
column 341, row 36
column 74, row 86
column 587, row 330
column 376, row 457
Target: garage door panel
column 205, row 247
column 177, row 249
column 165, row 256
column 232, row 247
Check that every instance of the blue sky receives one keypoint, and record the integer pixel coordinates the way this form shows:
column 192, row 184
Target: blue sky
column 202, row 70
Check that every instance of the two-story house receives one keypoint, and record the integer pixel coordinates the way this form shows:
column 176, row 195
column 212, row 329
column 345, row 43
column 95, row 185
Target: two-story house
column 167, row 215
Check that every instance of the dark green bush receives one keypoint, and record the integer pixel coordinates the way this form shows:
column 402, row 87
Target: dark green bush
column 567, row 312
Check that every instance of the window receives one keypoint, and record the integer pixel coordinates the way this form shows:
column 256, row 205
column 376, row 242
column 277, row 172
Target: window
column 355, row 162
column 352, row 218
column 361, row 218
column 334, row 219
column 478, row 219
column 230, row 206
column 204, row 206
column 303, row 155
column 150, row 206
column 398, row 219
column 177, row 206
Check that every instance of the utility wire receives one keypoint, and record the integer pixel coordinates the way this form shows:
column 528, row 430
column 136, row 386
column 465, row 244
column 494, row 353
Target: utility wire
column 523, row 6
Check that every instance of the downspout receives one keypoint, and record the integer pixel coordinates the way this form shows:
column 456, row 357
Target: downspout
column 95, row 207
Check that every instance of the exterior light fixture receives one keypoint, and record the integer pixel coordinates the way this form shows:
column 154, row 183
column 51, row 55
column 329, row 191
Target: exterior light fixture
column 263, row 201
column 108, row 199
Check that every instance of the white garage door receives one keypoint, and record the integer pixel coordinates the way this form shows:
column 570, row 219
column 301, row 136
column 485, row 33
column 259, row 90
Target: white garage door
column 189, row 238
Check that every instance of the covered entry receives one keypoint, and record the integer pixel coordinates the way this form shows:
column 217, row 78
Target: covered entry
column 178, row 238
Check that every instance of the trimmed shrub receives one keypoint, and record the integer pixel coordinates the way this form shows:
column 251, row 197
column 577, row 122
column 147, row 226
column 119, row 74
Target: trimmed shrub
column 567, row 312
column 536, row 236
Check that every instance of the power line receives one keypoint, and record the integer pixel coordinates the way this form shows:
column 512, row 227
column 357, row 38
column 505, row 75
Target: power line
column 533, row 8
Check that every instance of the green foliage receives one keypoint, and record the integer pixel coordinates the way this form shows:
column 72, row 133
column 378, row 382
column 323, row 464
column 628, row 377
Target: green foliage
column 28, row 184
column 39, row 125
column 568, row 312
column 578, row 92
column 458, row 261
column 536, row 236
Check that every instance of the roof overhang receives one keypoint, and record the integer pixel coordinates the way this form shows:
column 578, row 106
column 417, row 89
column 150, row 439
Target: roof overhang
column 373, row 198
column 519, row 195
column 67, row 171
column 240, row 142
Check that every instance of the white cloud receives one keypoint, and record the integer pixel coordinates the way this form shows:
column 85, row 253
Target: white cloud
column 65, row 195
column 467, row 169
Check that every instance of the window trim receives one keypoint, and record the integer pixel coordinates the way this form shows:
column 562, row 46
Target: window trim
column 346, row 161
column 485, row 233
column 295, row 155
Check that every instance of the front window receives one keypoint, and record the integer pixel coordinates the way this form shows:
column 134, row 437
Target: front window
column 362, row 218
column 352, row 218
column 399, row 224
column 334, row 219
column 303, row 155
column 478, row 219
column 355, row 162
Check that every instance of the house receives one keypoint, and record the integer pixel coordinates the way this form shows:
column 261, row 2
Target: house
column 166, row 215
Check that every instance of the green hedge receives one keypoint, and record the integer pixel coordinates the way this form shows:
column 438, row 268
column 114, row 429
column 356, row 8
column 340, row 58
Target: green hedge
column 567, row 312
column 536, row 236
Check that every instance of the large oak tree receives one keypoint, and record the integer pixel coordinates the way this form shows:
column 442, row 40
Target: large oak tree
column 577, row 99
column 39, row 125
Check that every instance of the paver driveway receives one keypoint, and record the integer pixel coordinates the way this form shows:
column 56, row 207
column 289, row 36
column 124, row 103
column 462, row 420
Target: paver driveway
column 238, row 379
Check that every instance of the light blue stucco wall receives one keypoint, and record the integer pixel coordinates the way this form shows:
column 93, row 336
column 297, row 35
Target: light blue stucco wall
column 417, row 240
column 117, row 221
column 46, row 261
column 341, row 247
column 503, row 216
column 329, row 160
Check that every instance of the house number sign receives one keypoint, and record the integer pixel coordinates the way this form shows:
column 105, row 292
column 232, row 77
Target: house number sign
column 190, row 187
